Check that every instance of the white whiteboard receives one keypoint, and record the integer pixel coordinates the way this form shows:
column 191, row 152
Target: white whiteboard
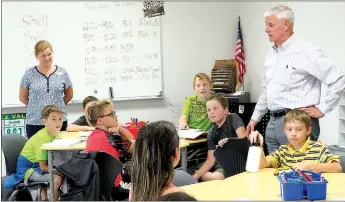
column 101, row 45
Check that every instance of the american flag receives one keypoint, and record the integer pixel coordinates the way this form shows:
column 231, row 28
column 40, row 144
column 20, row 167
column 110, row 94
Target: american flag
column 239, row 55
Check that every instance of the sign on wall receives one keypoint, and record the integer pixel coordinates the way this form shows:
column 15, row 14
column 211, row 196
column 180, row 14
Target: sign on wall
column 13, row 123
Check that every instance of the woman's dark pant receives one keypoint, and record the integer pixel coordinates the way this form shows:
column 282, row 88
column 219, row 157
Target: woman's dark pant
column 33, row 129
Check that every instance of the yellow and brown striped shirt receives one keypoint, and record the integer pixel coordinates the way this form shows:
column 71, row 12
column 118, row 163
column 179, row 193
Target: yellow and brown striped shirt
column 311, row 151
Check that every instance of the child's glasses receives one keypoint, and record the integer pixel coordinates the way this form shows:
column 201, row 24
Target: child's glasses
column 112, row 114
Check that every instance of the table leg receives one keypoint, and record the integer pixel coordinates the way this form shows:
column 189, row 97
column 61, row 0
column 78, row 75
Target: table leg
column 51, row 176
column 184, row 158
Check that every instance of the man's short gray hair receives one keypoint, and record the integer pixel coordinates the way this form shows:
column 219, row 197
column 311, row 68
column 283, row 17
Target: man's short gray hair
column 282, row 12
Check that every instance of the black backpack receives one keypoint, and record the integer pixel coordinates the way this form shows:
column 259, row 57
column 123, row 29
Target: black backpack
column 83, row 177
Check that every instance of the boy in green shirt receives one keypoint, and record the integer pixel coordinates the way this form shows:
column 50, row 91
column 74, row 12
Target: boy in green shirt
column 194, row 114
column 32, row 162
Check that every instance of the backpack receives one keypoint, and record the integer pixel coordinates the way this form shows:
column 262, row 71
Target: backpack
column 83, row 177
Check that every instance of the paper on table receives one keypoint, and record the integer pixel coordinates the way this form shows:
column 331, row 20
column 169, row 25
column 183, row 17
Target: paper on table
column 63, row 142
column 85, row 133
column 190, row 133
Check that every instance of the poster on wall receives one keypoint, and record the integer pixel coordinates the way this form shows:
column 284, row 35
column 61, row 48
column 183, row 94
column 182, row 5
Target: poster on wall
column 13, row 123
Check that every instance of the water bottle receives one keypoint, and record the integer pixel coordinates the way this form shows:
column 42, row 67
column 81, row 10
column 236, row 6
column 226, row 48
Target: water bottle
column 253, row 159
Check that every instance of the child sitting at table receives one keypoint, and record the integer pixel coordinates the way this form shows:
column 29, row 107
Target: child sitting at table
column 81, row 124
column 225, row 125
column 32, row 162
column 301, row 152
column 102, row 116
column 194, row 113
column 155, row 155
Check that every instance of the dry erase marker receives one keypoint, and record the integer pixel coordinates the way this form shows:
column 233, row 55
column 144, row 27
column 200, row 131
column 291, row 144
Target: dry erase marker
column 111, row 92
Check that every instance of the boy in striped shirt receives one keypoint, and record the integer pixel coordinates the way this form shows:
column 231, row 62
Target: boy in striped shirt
column 301, row 152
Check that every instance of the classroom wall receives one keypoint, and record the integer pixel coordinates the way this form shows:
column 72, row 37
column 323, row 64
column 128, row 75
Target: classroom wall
column 319, row 22
column 194, row 35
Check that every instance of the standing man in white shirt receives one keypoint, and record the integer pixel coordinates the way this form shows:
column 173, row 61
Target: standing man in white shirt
column 294, row 72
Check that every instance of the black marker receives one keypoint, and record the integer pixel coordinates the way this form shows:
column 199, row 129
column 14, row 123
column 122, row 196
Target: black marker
column 111, row 92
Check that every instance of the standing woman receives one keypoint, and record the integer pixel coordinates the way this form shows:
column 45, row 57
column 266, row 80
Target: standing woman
column 44, row 84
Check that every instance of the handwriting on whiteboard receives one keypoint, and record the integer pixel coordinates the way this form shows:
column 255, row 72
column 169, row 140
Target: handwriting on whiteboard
column 34, row 29
column 111, row 48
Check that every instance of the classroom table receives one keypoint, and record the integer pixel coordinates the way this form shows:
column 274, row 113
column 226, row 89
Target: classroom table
column 81, row 146
column 262, row 185
column 184, row 143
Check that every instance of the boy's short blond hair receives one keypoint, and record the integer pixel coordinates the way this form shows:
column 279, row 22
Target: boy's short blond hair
column 202, row 76
column 95, row 110
column 47, row 110
column 298, row 115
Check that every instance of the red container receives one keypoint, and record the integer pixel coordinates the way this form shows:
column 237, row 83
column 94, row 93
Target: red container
column 134, row 127
column 134, row 131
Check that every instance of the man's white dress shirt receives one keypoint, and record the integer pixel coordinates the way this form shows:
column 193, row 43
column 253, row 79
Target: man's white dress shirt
column 294, row 72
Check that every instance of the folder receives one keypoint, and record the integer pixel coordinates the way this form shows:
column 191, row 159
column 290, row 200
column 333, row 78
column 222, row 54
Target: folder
column 233, row 155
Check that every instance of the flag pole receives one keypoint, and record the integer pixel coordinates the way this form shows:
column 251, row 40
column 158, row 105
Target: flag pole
column 240, row 61
column 239, row 20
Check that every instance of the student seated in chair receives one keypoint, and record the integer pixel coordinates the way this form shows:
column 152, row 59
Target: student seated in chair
column 301, row 152
column 81, row 124
column 194, row 113
column 225, row 125
column 156, row 153
column 33, row 162
column 107, row 134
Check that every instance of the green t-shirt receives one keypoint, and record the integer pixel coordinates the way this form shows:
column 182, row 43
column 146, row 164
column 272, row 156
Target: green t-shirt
column 32, row 149
column 196, row 111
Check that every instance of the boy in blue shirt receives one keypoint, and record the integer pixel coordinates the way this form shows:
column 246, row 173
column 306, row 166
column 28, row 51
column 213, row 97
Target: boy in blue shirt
column 32, row 162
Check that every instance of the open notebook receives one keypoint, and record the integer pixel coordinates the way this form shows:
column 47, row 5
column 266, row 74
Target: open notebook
column 63, row 142
column 191, row 133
